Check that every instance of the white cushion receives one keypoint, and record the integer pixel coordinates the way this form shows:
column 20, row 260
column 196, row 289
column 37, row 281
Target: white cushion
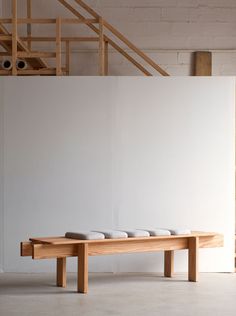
column 137, row 233
column 85, row 235
column 113, row 234
column 180, row 231
column 158, row 232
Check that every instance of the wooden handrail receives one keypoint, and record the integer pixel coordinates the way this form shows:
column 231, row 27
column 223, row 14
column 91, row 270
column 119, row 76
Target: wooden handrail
column 123, row 38
column 14, row 44
column 110, row 41
column 135, row 49
column 88, row 9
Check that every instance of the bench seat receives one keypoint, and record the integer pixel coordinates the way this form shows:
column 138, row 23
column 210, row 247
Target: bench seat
column 62, row 247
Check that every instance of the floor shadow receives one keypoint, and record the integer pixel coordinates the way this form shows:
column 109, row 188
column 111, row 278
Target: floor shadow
column 36, row 285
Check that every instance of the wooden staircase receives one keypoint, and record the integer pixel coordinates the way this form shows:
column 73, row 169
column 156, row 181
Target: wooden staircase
column 17, row 46
column 6, row 43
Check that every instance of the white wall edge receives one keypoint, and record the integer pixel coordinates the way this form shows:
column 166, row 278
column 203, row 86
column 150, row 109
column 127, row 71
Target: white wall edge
column 1, row 178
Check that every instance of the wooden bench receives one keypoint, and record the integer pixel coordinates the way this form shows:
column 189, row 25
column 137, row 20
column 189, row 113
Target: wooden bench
column 60, row 248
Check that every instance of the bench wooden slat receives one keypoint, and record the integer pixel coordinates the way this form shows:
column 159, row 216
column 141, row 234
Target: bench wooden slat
column 128, row 245
column 43, row 251
column 152, row 245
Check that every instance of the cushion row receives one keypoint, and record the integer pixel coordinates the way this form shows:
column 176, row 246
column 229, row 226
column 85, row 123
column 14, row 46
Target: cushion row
column 115, row 234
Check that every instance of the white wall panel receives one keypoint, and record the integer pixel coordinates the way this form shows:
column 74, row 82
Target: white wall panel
column 85, row 153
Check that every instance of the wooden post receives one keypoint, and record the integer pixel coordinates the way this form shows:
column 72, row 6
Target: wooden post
column 169, row 263
column 193, row 245
column 61, row 272
column 116, row 46
column 202, row 64
column 106, row 59
column 14, row 37
column 83, row 268
column 58, row 47
column 67, row 58
column 29, row 29
column 101, row 48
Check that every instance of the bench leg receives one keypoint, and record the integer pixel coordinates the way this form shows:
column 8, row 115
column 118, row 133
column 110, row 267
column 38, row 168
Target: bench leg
column 169, row 263
column 193, row 246
column 83, row 268
column 61, row 272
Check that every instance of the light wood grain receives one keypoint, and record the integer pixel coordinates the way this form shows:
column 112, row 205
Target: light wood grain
column 111, row 42
column 58, row 47
column 211, row 237
column 36, row 72
column 42, row 251
column 14, row 37
column 61, row 272
column 7, row 45
column 88, row 9
column 124, row 39
column 211, row 241
column 106, row 58
column 169, row 263
column 61, row 247
column 135, row 49
column 36, row 54
column 95, row 248
column 202, row 63
column 5, row 37
column 26, row 249
column 101, row 48
column 13, row 43
column 193, row 244
column 29, row 27
column 82, row 282
column 64, row 247
column 68, row 58
column 133, row 246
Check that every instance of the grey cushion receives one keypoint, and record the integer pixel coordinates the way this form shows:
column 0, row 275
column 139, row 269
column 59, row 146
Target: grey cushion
column 180, row 231
column 85, row 235
column 158, row 232
column 113, row 234
column 137, row 233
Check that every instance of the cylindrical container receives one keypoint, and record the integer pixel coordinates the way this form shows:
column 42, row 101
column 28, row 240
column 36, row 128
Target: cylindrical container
column 21, row 64
column 6, row 64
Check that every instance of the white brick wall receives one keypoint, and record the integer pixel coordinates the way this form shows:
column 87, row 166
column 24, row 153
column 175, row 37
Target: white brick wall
column 168, row 30
column 177, row 63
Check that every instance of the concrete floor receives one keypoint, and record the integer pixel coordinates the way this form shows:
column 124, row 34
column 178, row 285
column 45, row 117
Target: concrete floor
column 120, row 294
